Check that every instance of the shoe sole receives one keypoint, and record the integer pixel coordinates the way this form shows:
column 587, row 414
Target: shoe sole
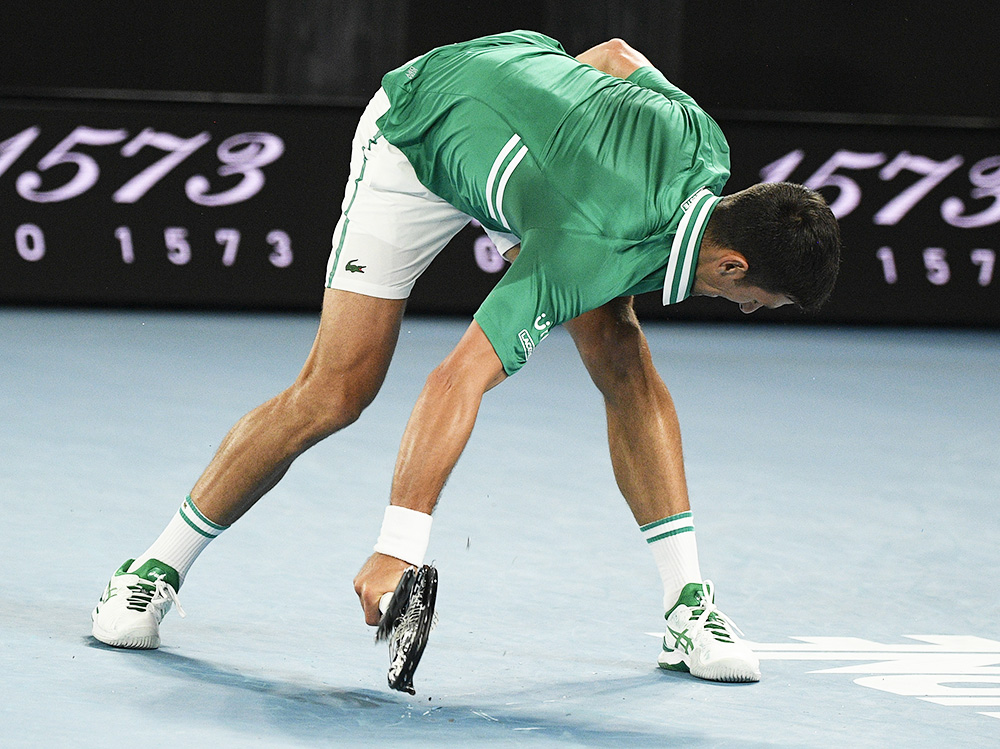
column 726, row 671
column 139, row 639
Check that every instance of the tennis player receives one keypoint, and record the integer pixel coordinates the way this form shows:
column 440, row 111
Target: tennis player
column 598, row 179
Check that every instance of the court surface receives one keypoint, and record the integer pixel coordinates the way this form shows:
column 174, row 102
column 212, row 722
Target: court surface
column 844, row 484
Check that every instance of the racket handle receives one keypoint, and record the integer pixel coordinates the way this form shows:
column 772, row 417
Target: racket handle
column 383, row 602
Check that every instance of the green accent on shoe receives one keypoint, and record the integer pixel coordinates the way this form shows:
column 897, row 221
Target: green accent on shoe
column 110, row 591
column 670, row 519
column 682, row 666
column 682, row 641
column 153, row 568
column 691, row 596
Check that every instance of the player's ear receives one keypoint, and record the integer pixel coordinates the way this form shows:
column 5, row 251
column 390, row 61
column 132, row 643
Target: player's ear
column 733, row 265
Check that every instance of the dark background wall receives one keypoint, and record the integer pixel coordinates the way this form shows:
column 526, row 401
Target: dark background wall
column 135, row 167
column 914, row 58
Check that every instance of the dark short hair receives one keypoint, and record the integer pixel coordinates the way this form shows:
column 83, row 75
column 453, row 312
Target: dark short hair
column 789, row 237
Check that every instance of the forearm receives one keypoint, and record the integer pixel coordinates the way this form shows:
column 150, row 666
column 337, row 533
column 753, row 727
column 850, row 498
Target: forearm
column 435, row 436
column 442, row 421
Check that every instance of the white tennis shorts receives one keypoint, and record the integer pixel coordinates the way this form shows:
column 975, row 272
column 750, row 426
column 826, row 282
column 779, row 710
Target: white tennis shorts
column 391, row 226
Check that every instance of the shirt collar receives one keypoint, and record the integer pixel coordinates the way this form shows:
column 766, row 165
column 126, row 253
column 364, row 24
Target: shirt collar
column 687, row 241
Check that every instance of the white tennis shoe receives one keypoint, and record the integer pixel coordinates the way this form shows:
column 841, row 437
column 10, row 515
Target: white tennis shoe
column 134, row 604
column 702, row 640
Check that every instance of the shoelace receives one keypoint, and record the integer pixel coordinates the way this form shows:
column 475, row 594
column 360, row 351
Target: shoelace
column 141, row 597
column 713, row 620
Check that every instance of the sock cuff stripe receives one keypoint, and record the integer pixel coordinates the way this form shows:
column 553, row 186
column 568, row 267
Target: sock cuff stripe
column 664, row 521
column 188, row 502
column 194, row 526
column 668, row 534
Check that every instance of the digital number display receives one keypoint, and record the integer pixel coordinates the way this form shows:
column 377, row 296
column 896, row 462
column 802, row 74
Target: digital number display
column 173, row 204
column 168, row 204
column 984, row 179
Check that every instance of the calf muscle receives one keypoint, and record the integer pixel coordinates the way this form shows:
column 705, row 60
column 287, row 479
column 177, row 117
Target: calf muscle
column 341, row 376
column 644, row 435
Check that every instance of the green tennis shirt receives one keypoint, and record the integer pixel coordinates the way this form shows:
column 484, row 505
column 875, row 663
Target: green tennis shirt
column 608, row 183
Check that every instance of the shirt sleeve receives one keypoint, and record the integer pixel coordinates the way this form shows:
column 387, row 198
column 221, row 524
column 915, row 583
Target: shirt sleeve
column 557, row 276
column 652, row 79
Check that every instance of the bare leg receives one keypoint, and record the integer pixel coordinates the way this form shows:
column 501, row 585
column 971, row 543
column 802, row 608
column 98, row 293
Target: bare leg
column 341, row 376
column 643, row 432
column 645, row 442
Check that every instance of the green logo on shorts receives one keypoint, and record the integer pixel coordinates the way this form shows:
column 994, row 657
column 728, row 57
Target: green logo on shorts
column 352, row 268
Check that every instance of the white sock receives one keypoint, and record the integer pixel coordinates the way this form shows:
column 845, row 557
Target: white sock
column 675, row 550
column 184, row 538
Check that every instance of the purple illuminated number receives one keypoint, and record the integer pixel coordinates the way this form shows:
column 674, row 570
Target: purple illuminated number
column 281, row 255
column 12, row 148
column 178, row 249
column 985, row 175
column 935, row 172
column 87, row 170
column 124, row 236
column 230, row 240
column 177, row 150
column 242, row 154
column 888, row 261
column 487, row 257
column 30, row 242
column 780, row 170
column 938, row 272
column 985, row 259
column 850, row 191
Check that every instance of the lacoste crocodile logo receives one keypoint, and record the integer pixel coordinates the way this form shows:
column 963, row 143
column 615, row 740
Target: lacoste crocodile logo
column 352, row 268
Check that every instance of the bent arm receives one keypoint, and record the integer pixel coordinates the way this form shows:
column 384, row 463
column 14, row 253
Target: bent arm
column 434, row 438
column 615, row 57
column 442, row 421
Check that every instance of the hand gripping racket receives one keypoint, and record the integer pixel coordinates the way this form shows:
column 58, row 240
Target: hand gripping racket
column 407, row 619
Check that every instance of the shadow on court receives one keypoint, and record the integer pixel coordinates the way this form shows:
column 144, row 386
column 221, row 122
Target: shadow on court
column 305, row 710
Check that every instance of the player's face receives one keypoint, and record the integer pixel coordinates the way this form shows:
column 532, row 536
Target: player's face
column 750, row 298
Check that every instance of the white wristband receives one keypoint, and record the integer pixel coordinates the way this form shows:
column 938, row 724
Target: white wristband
column 405, row 534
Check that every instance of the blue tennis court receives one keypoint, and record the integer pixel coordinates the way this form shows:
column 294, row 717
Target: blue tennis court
column 844, row 485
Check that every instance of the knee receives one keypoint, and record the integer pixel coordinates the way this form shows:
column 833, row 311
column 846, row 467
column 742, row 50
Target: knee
column 319, row 408
column 614, row 354
column 621, row 369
